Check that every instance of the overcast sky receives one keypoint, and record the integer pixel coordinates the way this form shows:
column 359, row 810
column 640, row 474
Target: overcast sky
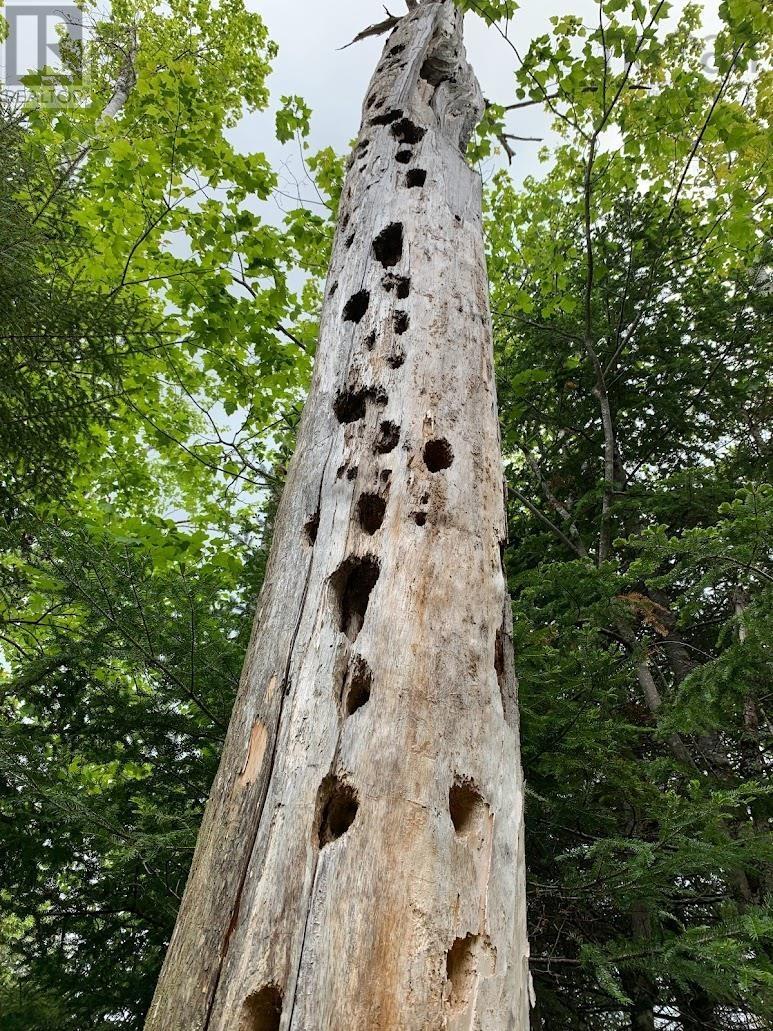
column 333, row 81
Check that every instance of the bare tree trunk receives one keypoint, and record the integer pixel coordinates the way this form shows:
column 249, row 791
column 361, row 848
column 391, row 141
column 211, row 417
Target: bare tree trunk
column 360, row 863
column 639, row 986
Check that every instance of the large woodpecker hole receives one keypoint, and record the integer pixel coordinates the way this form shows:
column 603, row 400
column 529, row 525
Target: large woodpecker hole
column 352, row 584
column 387, row 118
column 438, row 455
column 406, row 131
column 388, row 437
column 435, row 70
column 388, row 245
column 350, row 404
column 396, row 49
column 400, row 284
column 371, row 509
column 461, row 971
column 416, row 177
column 357, row 685
column 404, row 156
column 466, row 808
column 263, row 1010
column 356, row 306
column 336, row 809
column 401, row 321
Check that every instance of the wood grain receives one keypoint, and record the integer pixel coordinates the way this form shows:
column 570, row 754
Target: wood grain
column 360, row 864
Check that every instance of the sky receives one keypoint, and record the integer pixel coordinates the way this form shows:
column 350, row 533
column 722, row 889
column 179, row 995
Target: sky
column 310, row 34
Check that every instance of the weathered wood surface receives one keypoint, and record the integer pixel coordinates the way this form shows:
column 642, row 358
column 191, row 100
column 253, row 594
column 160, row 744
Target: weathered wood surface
column 360, row 864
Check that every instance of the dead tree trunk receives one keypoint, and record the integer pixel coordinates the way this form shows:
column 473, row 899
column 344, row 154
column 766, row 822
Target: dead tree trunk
column 360, row 864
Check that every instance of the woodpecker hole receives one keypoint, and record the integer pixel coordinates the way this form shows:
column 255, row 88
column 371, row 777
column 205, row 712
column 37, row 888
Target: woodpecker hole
column 388, row 437
column 466, row 807
column 352, row 584
column 461, row 971
column 415, row 177
column 420, row 518
column 438, row 455
column 396, row 49
column 387, row 118
column 404, row 156
column 350, row 404
column 401, row 321
column 336, row 809
column 406, row 131
column 400, row 284
column 263, row 1010
column 434, row 71
column 371, row 509
column 356, row 306
column 311, row 529
column 357, row 685
column 388, row 245
column 396, row 359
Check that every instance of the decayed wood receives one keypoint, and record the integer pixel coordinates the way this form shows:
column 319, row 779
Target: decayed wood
column 360, row 863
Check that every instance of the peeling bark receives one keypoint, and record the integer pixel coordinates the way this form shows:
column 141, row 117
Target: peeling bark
column 360, row 864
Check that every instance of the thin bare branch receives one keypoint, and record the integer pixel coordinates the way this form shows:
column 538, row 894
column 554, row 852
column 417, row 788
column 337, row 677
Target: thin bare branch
column 379, row 29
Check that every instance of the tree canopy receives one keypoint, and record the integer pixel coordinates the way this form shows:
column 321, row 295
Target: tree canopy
column 157, row 331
